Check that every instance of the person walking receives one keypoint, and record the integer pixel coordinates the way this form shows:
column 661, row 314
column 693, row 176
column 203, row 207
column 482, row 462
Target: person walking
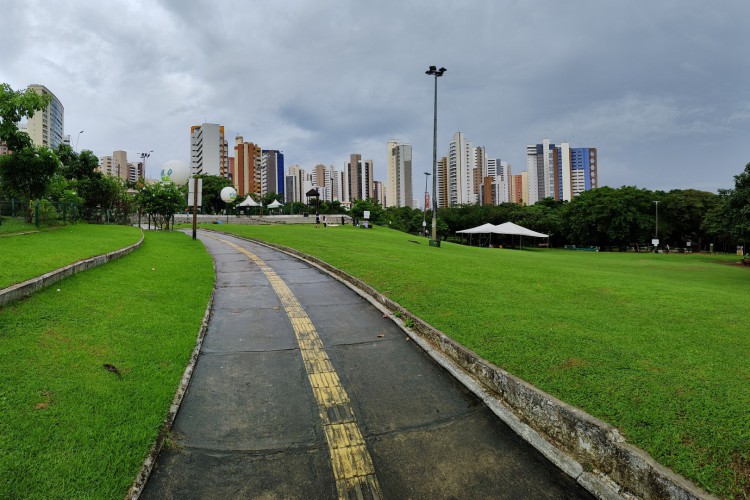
column 325, row 225
column 317, row 221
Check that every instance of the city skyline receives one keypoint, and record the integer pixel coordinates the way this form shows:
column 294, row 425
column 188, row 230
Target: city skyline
column 655, row 88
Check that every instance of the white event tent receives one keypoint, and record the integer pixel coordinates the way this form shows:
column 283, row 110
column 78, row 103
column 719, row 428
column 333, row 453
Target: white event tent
column 504, row 228
column 248, row 202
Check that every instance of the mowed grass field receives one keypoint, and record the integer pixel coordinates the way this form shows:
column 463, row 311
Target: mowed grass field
column 655, row 344
column 69, row 428
column 24, row 256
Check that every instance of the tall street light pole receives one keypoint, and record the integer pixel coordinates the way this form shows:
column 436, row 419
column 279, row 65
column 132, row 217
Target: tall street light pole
column 433, row 71
column 426, row 194
column 657, row 220
column 78, row 137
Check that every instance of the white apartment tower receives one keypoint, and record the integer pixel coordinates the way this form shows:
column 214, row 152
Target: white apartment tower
column 399, row 175
column 462, row 161
column 46, row 127
column 208, row 150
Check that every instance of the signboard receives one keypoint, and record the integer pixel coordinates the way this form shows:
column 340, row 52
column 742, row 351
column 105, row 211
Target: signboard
column 655, row 242
column 191, row 194
column 367, row 214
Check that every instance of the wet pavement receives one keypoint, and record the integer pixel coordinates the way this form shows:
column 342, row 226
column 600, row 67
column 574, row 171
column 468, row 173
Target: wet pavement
column 304, row 390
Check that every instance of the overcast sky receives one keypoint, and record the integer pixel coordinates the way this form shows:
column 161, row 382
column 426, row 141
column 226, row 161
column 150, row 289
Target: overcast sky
column 661, row 88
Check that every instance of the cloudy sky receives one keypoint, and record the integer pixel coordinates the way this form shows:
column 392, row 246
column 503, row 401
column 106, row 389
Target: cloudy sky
column 661, row 88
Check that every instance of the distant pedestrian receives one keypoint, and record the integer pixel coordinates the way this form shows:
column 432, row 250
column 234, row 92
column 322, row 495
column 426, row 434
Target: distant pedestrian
column 343, row 222
column 317, row 220
column 325, row 225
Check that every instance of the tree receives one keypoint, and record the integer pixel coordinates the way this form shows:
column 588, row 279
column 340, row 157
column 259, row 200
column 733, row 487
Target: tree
column 212, row 186
column 161, row 201
column 15, row 105
column 26, row 173
column 731, row 216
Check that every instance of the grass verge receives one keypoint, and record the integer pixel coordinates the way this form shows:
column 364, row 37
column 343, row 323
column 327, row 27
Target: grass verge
column 25, row 256
column 654, row 344
column 69, row 428
column 9, row 225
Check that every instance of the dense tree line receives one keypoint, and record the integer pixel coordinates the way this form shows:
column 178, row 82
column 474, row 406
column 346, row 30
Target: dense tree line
column 609, row 218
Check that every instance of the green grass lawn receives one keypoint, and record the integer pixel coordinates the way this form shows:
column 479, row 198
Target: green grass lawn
column 24, row 256
column 10, row 225
column 657, row 345
column 68, row 427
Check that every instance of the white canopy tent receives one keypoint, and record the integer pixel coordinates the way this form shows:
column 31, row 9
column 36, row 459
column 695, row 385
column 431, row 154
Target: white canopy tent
column 516, row 230
column 275, row 204
column 483, row 229
column 248, row 202
column 504, row 228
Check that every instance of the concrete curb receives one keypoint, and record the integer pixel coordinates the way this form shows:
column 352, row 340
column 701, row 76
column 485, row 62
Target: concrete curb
column 139, row 483
column 26, row 288
column 586, row 448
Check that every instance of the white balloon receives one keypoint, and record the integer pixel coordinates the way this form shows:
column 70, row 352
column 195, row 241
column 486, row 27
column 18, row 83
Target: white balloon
column 175, row 171
column 228, row 194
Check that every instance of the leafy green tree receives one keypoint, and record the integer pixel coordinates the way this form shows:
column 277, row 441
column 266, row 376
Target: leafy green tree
column 15, row 105
column 161, row 201
column 26, row 173
column 212, row 186
column 730, row 218
column 359, row 207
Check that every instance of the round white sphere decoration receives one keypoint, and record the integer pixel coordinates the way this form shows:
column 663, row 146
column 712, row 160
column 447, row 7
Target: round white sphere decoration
column 175, row 171
column 228, row 194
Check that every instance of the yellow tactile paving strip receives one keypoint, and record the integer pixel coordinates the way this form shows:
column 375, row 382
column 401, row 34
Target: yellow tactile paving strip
column 351, row 462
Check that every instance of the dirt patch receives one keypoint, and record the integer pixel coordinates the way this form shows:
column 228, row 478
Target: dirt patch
column 573, row 364
column 740, row 465
column 46, row 403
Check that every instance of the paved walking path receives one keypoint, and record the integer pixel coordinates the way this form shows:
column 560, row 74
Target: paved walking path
column 304, row 390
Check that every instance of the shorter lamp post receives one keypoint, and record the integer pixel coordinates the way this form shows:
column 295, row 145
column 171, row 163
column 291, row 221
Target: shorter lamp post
column 426, row 194
column 143, row 157
column 78, row 137
column 656, row 237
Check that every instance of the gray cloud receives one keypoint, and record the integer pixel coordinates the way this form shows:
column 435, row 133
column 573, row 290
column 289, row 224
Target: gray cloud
column 659, row 87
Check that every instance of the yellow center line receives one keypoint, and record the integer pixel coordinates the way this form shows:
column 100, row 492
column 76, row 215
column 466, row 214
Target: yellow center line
column 350, row 460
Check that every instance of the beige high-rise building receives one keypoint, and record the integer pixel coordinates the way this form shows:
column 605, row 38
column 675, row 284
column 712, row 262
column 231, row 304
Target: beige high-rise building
column 399, row 175
column 120, row 165
column 106, row 166
column 46, row 127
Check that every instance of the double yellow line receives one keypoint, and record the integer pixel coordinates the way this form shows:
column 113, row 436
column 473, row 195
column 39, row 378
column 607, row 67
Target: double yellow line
column 352, row 464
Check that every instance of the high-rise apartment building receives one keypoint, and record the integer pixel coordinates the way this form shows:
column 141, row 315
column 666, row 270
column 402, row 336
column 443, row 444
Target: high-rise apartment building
column 272, row 172
column 442, row 182
column 541, row 168
column 359, row 178
column 576, row 170
column 208, row 150
column 46, row 127
column 120, row 165
column 247, row 167
column 559, row 171
column 462, row 161
column 4, row 149
column 379, row 193
column 496, row 183
column 399, row 174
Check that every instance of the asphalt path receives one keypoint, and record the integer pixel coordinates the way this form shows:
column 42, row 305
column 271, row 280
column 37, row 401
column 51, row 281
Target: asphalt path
column 303, row 389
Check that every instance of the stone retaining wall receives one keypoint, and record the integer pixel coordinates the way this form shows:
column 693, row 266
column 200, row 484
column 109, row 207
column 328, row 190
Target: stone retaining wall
column 21, row 290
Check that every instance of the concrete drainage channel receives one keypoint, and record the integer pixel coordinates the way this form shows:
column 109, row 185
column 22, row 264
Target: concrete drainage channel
column 21, row 290
column 586, row 448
